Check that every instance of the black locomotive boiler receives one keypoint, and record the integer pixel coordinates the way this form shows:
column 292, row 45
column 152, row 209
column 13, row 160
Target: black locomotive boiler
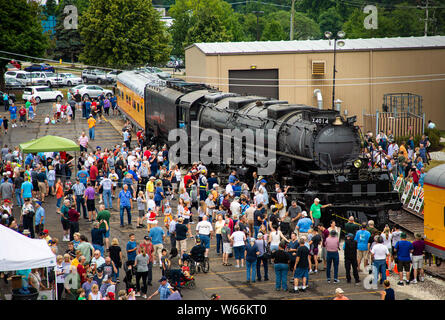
column 318, row 152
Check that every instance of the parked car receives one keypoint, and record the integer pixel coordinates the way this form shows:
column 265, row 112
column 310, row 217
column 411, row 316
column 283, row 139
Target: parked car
column 42, row 93
column 13, row 84
column 69, row 79
column 113, row 75
column 22, row 76
column 11, row 96
column 90, row 91
column 172, row 62
column 95, row 75
column 10, row 67
column 40, row 67
column 159, row 72
column 16, row 64
column 46, row 78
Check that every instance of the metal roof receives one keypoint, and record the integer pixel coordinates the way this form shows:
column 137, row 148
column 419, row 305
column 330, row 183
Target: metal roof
column 436, row 176
column 255, row 47
column 136, row 80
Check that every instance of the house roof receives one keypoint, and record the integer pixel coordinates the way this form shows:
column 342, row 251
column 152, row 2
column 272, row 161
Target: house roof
column 303, row 46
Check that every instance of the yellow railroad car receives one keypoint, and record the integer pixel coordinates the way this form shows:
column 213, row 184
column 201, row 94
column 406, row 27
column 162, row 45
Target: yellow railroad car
column 130, row 96
column 434, row 211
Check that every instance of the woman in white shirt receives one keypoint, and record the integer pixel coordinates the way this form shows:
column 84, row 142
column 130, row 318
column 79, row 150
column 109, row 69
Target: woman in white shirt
column 95, row 293
column 60, row 277
column 387, row 237
column 238, row 237
column 275, row 237
column 180, row 207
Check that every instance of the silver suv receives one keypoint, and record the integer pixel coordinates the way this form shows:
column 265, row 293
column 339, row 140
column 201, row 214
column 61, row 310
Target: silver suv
column 48, row 78
column 95, row 75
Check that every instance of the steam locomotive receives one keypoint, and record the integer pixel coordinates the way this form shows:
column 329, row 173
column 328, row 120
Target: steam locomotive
column 317, row 152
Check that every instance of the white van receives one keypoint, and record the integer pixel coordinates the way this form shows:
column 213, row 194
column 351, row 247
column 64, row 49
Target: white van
column 22, row 76
column 42, row 93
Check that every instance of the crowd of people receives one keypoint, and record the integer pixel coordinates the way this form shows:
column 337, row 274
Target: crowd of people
column 406, row 160
column 254, row 226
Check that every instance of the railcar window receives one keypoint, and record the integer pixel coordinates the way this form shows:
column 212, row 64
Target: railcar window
column 138, row 106
column 134, row 105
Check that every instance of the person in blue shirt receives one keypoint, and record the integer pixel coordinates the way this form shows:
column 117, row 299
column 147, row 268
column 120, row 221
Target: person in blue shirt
column 237, row 188
column 164, row 290
column 131, row 249
column 87, row 108
column 403, row 248
column 422, row 176
column 304, row 224
column 39, row 218
column 28, row 159
column 83, row 176
column 26, row 190
column 362, row 237
column 125, row 203
column 157, row 235
column 13, row 113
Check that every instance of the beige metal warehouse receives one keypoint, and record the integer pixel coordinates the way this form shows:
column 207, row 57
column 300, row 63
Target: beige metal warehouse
column 293, row 70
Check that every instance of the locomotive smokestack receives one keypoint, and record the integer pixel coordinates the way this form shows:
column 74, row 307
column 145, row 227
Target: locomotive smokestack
column 317, row 93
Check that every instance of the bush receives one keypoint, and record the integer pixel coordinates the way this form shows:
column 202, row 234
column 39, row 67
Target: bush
column 434, row 137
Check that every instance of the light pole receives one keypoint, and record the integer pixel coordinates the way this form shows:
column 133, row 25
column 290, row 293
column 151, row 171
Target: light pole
column 291, row 35
column 337, row 38
column 257, row 13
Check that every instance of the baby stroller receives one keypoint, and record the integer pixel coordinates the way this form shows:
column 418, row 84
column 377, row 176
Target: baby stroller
column 184, row 281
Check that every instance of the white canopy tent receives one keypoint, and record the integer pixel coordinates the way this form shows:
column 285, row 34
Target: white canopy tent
column 18, row 252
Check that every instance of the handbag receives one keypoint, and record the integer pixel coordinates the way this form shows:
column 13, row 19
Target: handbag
column 279, row 206
column 267, row 253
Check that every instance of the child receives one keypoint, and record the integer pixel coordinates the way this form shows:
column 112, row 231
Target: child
column 141, row 208
column 63, row 111
column 76, row 240
column 81, row 293
column 131, row 294
column 168, row 215
column 151, row 219
column 47, row 120
column 186, row 269
column 151, row 204
column 164, row 261
column 388, row 294
column 31, row 113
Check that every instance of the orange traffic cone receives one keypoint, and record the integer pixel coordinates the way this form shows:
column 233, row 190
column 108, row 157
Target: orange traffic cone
column 395, row 269
column 387, row 267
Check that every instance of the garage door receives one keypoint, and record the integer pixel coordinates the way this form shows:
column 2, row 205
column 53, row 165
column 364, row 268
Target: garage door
column 250, row 85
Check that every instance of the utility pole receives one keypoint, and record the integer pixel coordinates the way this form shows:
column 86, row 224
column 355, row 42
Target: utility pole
column 257, row 13
column 291, row 36
column 426, row 18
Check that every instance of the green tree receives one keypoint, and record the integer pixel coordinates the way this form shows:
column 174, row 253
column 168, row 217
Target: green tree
column 50, row 7
column 273, row 31
column 399, row 22
column 17, row 36
column 330, row 20
column 202, row 21
column 123, row 33
column 68, row 43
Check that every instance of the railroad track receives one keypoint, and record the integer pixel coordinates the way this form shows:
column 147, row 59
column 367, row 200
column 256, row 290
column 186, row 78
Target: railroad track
column 407, row 220
column 412, row 222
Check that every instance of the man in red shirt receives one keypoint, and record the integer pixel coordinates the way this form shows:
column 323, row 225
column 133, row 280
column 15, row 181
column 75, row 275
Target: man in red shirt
column 22, row 113
column 187, row 179
column 81, row 270
column 93, row 173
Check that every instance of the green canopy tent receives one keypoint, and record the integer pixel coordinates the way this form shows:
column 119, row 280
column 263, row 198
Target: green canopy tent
column 48, row 144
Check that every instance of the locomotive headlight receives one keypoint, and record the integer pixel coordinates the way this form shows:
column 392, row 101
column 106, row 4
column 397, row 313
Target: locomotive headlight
column 358, row 163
